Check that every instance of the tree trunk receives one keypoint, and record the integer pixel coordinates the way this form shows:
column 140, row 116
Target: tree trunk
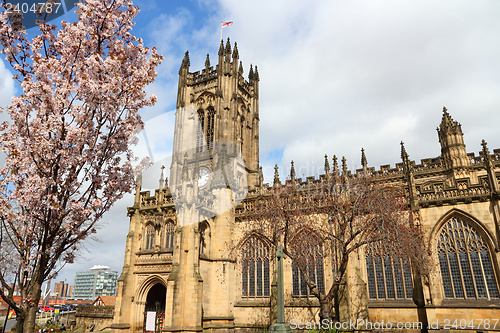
column 19, row 323
column 29, row 325
column 337, row 307
column 325, row 311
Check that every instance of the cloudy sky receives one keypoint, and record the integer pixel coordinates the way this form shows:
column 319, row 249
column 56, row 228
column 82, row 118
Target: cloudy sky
column 335, row 77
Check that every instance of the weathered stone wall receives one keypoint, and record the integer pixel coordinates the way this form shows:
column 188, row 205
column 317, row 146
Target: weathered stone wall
column 101, row 316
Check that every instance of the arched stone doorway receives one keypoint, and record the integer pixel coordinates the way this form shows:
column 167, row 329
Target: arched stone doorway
column 155, row 302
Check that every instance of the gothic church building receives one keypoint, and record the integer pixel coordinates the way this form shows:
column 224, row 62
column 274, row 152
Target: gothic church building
column 178, row 261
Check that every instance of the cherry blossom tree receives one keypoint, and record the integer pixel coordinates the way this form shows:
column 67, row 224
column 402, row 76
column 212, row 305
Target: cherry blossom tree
column 330, row 220
column 67, row 142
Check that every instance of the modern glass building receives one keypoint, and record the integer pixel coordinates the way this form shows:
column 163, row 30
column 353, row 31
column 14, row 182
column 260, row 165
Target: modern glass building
column 99, row 280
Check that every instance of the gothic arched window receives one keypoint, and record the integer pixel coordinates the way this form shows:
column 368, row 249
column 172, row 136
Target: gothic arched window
column 205, row 238
column 465, row 262
column 210, row 124
column 242, row 133
column 388, row 278
column 199, row 131
column 150, row 237
column 169, row 235
column 311, row 261
column 255, row 269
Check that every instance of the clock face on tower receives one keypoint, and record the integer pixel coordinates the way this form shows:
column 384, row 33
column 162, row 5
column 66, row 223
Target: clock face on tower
column 203, row 178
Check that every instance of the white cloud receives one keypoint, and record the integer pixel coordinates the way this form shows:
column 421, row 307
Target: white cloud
column 6, row 92
column 337, row 76
column 107, row 247
column 6, row 85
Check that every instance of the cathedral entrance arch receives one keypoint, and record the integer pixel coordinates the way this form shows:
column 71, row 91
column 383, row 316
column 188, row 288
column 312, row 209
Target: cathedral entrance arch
column 154, row 308
column 155, row 301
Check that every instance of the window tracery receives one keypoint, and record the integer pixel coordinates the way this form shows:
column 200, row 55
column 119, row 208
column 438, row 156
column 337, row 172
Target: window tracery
column 200, row 131
column 210, row 128
column 150, row 237
column 205, row 238
column 255, row 269
column 242, row 133
column 169, row 235
column 388, row 277
column 312, row 263
column 465, row 262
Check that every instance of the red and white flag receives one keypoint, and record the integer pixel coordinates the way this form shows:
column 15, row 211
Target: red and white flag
column 226, row 24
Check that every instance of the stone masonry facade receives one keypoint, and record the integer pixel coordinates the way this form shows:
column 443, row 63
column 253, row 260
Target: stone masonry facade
column 186, row 274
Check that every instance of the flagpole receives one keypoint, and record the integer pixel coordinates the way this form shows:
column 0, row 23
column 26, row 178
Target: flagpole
column 221, row 30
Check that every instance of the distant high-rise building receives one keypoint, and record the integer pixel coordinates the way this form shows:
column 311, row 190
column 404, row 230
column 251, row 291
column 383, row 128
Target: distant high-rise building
column 62, row 289
column 99, row 280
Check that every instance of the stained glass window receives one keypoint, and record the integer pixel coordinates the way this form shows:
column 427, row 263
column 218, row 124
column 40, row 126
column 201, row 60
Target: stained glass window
column 255, row 269
column 169, row 235
column 150, row 237
column 465, row 262
column 200, row 131
column 388, row 278
column 313, row 264
column 210, row 128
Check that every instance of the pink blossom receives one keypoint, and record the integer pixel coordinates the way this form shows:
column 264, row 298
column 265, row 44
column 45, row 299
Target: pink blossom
column 68, row 138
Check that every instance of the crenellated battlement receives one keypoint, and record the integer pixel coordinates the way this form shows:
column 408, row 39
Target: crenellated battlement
column 161, row 197
column 158, row 200
column 432, row 181
column 206, row 74
column 210, row 75
column 228, row 67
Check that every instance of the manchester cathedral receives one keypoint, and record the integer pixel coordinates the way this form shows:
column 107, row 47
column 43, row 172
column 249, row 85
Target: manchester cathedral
column 180, row 272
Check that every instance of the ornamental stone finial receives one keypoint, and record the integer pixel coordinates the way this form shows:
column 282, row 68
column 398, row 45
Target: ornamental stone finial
column 344, row 166
column 335, row 165
column 221, row 48
column 185, row 61
column 261, row 177
column 207, row 61
column 240, row 70
column 161, row 177
column 404, row 154
column 486, row 151
column 276, row 182
column 364, row 163
column 228, row 46
column 235, row 51
column 327, row 166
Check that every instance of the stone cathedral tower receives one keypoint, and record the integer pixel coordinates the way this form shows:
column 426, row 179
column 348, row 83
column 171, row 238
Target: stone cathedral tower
column 178, row 245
